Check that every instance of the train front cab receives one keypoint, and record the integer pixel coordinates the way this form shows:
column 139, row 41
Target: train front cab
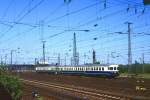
column 114, row 70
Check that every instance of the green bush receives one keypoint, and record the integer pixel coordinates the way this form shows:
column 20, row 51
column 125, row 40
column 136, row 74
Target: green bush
column 135, row 68
column 11, row 84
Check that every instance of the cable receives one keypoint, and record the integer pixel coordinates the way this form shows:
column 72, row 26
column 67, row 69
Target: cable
column 70, row 13
column 33, row 25
column 91, row 21
column 21, row 18
column 7, row 8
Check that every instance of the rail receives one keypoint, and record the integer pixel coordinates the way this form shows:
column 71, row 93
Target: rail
column 92, row 94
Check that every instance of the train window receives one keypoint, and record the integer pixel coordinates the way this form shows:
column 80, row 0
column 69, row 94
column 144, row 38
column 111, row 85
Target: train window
column 114, row 68
column 92, row 68
column 89, row 68
column 110, row 68
column 86, row 68
column 82, row 68
column 102, row 68
column 97, row 68
column 75, row 68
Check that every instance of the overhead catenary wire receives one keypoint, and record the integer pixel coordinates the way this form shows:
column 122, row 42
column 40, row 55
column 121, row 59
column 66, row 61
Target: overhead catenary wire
column 22, row 17
column 33, row 26
column 7, row 9
column 86, row 21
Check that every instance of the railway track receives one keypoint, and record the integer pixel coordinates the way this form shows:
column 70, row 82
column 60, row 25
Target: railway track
column 79, row 92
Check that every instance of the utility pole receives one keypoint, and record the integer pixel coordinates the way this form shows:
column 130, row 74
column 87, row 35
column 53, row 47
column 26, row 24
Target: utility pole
column 42, row 39
column 129, row 48
column 65, row 60
column 75, row 56
column 5, row 59
column 108, row 56
column 143, row 69
column 43, row 51
column 11, row 57
column 35, row 61
column 94, row 56
column 59, row 59
column 84, row 57
column 1, row 60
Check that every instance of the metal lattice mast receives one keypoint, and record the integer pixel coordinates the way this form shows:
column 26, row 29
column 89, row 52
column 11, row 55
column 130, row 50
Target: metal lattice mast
column 43, row 51
column 74, row 50
column 129, row 47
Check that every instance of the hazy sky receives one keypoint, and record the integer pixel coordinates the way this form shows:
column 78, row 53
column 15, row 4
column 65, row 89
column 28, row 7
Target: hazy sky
column 25, row 23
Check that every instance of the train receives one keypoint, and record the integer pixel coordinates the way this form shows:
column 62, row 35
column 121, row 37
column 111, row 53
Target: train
column 96, row 70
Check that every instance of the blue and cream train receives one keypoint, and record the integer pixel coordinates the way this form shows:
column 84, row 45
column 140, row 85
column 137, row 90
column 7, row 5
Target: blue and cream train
column 105, row 70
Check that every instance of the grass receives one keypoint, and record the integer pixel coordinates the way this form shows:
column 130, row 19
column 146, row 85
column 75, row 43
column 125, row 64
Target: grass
column 145, row 75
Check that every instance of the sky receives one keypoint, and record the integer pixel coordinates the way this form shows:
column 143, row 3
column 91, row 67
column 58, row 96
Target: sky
column 24, row 24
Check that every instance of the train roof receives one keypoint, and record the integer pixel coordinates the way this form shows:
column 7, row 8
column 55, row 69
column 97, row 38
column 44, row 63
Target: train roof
column 87, row 65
